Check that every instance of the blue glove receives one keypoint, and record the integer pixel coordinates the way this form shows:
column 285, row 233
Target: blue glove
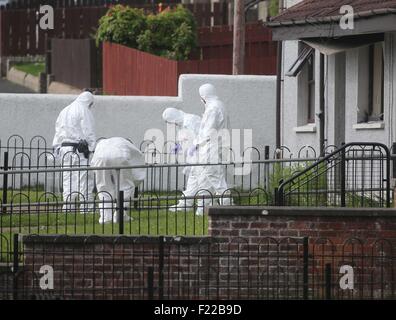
column 177, row 148
column 191, row 151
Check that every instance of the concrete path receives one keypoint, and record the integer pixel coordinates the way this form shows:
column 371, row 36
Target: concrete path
column 9, row 87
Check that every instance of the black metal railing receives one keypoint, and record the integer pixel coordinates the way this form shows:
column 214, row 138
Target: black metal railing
column 32, row 200
column 64, row 267
column 355, row 175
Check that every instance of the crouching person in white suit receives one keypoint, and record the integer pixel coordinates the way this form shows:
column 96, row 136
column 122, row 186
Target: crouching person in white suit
column 116, row 152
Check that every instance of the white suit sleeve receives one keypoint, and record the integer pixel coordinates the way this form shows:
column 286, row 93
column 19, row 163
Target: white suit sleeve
column 208, row 124
column 88, row 128
column 57, row 137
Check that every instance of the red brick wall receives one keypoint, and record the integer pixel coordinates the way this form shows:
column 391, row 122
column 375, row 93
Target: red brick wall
column 362, row 238
column 336, row 225
column 247, row 255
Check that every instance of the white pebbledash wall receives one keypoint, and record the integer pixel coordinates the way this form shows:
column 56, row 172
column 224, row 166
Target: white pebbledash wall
column 250, row 101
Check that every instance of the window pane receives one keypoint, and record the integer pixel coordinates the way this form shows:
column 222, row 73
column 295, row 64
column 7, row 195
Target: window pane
column 378, row 80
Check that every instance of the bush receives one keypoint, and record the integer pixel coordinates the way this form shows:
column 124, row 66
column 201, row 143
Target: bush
column 273, row 8
column 171, row 33
column 122, row 25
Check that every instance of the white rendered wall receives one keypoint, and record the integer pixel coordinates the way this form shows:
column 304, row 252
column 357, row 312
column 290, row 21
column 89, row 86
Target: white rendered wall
column 250, row 101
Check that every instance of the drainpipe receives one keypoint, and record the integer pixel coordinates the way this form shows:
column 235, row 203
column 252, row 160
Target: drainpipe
column 279, row 87
column 321, row 114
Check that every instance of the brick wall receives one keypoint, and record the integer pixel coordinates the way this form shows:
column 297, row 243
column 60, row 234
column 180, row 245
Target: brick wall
column 362, row 238
column 335, row 224
column 250, row 253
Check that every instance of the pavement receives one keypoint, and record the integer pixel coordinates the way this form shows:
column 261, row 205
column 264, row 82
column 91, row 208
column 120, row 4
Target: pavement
column 9, row 87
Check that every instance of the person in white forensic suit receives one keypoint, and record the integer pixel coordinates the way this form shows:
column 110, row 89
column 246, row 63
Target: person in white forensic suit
column 211, row 178
column 187, row 125
column 116, row 152
column 73, row 143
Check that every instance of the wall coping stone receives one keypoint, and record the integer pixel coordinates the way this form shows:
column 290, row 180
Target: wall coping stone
column 303, row 212
column 111, row 239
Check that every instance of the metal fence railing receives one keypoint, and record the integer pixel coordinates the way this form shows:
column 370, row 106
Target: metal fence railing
column 32, row 199
column 355, row 175
column 191, row 268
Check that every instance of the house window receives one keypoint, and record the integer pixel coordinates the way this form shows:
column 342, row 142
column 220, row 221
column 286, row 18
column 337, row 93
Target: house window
column 373, row 68
column 376, row 82
column 311, row 89
column 304, row 70
column 305, row 52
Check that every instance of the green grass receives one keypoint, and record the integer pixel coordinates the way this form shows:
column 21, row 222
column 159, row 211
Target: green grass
column 26, row 196
column 33, row 68
column 145, row 222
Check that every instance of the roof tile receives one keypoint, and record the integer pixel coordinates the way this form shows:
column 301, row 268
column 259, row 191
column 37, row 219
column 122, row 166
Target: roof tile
column 329, row 8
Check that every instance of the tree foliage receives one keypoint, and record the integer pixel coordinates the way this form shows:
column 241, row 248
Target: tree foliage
column 171, row 33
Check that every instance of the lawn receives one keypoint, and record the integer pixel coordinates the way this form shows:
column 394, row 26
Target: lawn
column 151, row 222
column 31, row 214
column 145, row 222
column 33, row 68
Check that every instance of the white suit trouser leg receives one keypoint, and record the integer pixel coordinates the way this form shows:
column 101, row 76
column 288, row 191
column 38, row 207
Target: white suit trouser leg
column 78, row 183
column 192, row 188
column 105, row 183
column 212, row 182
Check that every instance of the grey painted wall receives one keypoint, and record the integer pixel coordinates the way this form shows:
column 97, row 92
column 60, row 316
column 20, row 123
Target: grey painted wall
column 250, row 101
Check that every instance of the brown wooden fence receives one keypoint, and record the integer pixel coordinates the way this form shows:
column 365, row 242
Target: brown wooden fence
column 34, row 4
column 129, row 71
column 20, row 34
column 77, row 62
column 216, row 42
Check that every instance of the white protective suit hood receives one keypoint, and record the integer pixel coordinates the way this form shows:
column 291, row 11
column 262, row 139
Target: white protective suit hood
column 85, row 99
column 208, row 92
column 173, row 115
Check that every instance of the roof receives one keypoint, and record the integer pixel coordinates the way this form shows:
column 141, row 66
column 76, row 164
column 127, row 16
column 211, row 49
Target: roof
column 311, row 11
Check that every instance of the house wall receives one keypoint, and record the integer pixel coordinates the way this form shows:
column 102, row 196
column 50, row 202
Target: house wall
column 356, row 96
column 345, row 83
column 294, row 135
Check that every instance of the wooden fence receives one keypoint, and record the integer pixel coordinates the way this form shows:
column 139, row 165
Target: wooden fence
column 77, row 62
column 34, row 4
column 129, row 71
column 216, row 42
column 20, row 34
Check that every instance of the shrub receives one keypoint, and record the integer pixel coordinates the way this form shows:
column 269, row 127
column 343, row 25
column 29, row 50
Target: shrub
column 274, row 8
column 121, row 25
column 171, row 33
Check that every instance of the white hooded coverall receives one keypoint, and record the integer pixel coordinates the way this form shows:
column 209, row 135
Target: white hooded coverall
column 75, row 123
column 116, row 152
column 211, row 178
column 188, row 125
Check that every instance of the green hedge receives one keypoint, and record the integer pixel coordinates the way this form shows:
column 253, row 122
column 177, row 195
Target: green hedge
column 171, row 33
